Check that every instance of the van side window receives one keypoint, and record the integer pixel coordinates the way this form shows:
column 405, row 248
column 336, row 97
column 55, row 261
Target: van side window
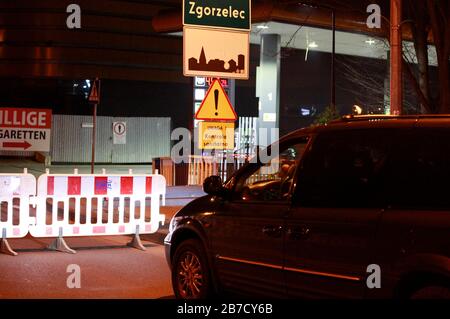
column 343, row 169
column 272, row 181
column 418, row 174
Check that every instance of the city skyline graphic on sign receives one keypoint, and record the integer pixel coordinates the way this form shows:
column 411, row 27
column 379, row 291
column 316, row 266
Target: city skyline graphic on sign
column 217, row 65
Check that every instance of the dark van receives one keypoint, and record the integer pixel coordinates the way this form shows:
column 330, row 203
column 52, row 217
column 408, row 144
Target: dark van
column 358, row 208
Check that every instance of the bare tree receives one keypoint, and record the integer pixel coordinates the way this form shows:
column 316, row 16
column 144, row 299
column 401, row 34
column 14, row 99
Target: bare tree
column 430, row 19
column 367, row 80
column 430, row 25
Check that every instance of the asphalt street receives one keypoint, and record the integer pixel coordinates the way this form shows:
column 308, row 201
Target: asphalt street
column 108, row 268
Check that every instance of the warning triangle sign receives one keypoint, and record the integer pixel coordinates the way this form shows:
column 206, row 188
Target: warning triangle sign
column 216, row 106
column 94, row 95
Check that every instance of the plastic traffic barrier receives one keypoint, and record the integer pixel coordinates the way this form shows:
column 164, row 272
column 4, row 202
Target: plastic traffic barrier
column 80, row 205
column 104, row 210
column 16, row 194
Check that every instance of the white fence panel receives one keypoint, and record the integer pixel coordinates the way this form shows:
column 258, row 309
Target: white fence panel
column 16, row 191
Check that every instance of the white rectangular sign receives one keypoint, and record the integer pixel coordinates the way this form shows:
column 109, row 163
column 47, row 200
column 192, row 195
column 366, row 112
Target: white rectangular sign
column 216, row 53
column 24, row 129
column 120, row 132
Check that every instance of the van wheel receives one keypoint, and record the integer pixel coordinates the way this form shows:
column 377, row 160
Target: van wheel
column 432, row 292
column 190, row 273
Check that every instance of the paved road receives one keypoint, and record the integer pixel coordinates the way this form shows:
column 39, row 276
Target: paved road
column 109, row 269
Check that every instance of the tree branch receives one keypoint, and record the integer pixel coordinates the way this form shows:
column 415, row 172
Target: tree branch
column 423, row 100
column 435, row 25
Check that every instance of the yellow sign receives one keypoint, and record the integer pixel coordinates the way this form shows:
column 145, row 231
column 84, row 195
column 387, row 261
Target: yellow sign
column 216, row 135
column 216, row 106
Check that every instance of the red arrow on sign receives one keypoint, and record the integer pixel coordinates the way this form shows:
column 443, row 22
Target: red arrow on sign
column 25, row 145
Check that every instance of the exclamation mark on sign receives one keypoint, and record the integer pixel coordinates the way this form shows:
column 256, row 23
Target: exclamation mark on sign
column 216, row 101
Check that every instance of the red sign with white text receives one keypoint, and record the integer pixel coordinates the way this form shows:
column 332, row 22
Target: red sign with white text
column 224, row 82
column 25, row 129
column 25, row 118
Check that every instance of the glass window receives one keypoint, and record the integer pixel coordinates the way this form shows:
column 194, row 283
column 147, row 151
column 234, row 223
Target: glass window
column 418, row 174
column 343, row 169
column 272, row 181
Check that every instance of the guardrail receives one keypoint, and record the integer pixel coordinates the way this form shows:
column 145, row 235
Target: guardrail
column 82, row 205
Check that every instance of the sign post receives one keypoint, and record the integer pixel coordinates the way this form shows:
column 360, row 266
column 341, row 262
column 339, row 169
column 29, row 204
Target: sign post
column 216, row 43
column 94, row 98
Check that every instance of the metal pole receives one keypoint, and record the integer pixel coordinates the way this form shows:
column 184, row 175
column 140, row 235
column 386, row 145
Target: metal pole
column 333, row 67
column 94, row 129
column 396, row 58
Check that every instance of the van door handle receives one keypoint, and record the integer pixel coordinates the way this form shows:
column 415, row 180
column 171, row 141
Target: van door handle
column 273, row 231
column 297, row 233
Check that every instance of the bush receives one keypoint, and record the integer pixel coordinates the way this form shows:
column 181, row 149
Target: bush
column 326, row 116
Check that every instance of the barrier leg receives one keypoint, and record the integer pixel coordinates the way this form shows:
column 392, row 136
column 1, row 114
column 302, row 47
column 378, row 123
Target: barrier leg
column 5, row 248
column 136, row 241
column 59, row 244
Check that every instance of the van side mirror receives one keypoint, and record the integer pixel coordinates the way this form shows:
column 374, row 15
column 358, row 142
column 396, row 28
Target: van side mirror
column 212, row 185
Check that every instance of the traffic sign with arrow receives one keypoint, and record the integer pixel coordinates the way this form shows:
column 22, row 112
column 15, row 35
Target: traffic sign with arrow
column 23, row 145
column 25, row 129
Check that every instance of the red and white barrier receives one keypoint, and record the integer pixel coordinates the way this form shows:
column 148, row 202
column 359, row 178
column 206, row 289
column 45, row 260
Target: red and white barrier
column 15, row 193
column 109, row 193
